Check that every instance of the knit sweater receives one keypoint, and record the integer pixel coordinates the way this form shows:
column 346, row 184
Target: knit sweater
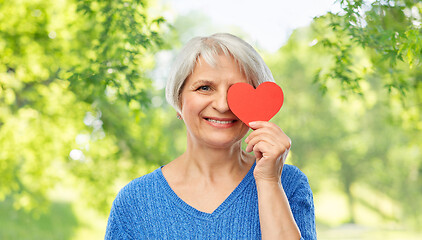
column 147, row 208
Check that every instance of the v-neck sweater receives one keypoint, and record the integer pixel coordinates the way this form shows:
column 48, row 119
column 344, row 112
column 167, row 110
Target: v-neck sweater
column 148, row 208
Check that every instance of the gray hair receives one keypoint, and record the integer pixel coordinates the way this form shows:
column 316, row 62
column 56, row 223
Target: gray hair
column 250, row 62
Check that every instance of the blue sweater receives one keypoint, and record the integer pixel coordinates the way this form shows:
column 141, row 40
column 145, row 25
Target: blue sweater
column 147, row 208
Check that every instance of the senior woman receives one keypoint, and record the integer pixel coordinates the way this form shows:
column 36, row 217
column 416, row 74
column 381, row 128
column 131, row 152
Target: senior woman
column 216, row 190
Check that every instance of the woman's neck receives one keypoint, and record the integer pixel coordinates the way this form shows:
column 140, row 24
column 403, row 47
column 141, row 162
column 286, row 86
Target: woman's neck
column 214, row 164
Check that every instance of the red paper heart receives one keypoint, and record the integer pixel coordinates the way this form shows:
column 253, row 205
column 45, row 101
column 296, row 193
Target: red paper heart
column 259, row 104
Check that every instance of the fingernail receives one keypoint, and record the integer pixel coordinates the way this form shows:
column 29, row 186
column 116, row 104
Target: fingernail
column 251, row 124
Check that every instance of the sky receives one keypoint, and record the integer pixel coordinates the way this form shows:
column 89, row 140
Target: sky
column 268, row 23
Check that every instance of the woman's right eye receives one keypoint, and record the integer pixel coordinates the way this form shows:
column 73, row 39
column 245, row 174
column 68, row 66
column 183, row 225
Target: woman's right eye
column 204, row 88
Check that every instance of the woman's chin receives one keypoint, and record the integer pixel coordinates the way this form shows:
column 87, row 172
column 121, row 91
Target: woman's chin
column 216, row 139
column 222, row 142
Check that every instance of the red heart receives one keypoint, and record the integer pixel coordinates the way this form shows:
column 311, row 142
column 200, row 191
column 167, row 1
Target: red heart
column 259, row 104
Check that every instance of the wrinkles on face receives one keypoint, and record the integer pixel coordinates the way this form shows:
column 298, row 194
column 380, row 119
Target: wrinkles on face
column 204, row 103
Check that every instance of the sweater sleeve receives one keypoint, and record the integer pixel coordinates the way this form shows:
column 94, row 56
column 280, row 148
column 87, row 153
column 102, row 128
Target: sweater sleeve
column 114, row 229
column 119, row 218
column 302, row 206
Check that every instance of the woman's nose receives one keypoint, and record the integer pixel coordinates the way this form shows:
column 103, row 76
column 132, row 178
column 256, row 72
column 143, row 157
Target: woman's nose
column 220, row 102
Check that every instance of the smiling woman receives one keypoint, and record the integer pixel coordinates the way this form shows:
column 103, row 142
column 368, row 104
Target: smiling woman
column 215, row 190
column 204, row 107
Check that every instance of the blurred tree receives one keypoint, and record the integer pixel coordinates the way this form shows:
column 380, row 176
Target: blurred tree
column 353, row 140
column 74, row 98
column 389, row 30
column 390, row 34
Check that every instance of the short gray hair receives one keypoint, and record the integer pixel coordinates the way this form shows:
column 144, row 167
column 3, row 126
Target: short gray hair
column 250, row 62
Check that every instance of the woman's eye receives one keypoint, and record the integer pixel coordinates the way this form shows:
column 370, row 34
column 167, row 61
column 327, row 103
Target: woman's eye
column 204, row 88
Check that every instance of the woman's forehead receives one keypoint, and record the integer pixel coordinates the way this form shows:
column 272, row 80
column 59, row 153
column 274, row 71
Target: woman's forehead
column 222, row 64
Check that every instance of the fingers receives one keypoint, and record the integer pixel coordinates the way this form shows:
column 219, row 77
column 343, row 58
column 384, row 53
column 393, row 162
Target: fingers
column 257, row 152
column 258, row 138
column 261, row 124
column 269, row 132
column 268, row 140
column 263, row 150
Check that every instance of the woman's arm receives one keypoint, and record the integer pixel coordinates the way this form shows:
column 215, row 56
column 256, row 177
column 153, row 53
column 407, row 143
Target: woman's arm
column 120, row 221
column 114, row 228
column 271, row 146
column 301, row 203
column 275, row 216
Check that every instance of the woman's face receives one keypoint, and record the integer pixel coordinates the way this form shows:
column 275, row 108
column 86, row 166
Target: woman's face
column 204, row 105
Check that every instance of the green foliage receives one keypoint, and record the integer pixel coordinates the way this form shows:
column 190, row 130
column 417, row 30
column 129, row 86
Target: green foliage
column 375, row 50
column 78, row 111
column 46, row 226
column 389, row 30
column 116, row 36
column 73, row 80
column 351, row 140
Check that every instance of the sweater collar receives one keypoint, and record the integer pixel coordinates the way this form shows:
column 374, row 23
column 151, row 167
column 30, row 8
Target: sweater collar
column 195, row 212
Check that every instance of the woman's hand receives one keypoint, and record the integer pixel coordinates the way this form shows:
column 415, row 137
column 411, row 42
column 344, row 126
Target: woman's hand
column 270, row 146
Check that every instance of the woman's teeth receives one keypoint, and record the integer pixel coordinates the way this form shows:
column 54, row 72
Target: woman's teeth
column 219, row 122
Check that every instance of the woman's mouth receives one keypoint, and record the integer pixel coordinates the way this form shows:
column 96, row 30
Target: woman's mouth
column 221, row 123
column 218, row 121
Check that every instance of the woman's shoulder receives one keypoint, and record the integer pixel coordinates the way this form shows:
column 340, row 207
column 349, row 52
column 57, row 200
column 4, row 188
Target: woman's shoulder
column 138, row 187
column 293, row 172
column 130, row 205
column 292, row 178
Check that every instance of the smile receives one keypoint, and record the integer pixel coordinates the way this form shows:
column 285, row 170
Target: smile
column 219, row 122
